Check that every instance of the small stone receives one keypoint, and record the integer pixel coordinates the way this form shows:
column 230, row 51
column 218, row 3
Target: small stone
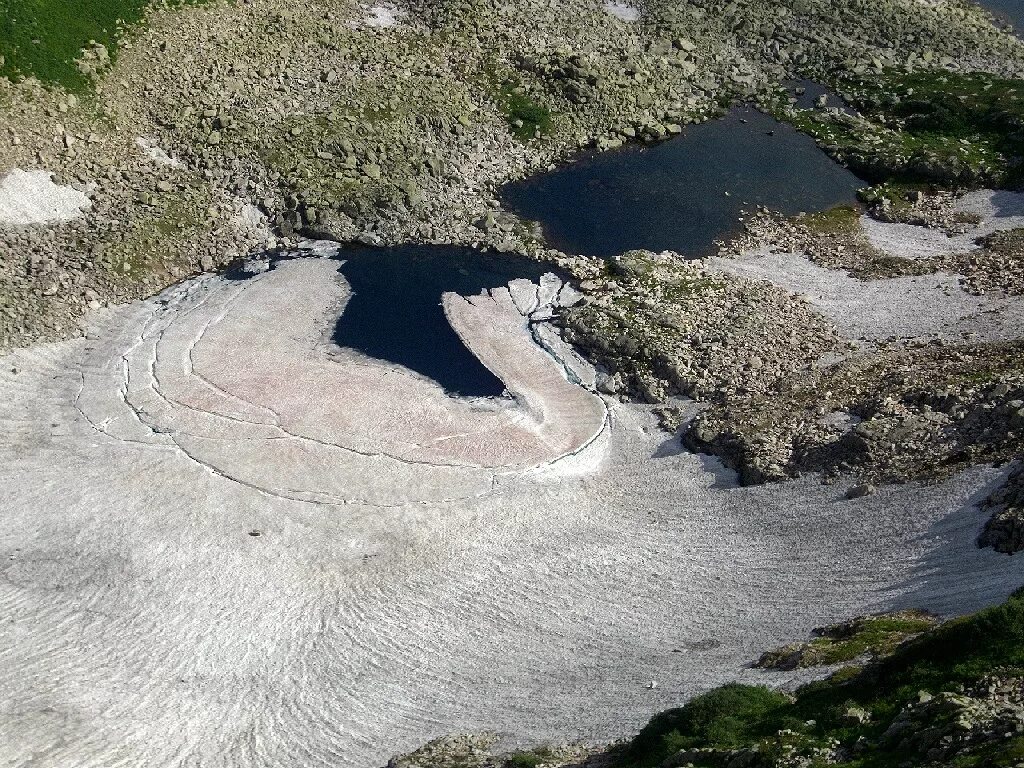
column 214, row 138
column 859, row 491
column 856, row 716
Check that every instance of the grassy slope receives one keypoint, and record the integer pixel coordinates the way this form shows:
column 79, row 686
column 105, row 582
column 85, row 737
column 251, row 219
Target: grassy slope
column 958, row 653
column 873, row 636
column 44, row 37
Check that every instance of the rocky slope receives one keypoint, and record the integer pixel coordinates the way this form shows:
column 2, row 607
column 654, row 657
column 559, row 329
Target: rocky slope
column 1005, row 530
column 389, row 124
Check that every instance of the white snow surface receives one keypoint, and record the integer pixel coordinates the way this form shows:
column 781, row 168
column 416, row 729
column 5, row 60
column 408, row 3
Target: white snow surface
column 156, row 153
column 926, row 306
column 382, row 16
column 621, row 10
column 933, row 306
column 998, row 211
column 31, row 197
column 423, row 564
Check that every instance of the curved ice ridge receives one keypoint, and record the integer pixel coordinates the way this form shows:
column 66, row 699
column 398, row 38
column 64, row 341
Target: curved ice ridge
column 242, row 378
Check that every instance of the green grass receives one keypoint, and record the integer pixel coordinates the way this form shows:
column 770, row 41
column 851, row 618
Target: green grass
column 725, row 717
column 930, row 126
column 875, row 635
column 530, row 759
column 42, row 38
column 958, row 653
column 975, row 116
column 872, row 636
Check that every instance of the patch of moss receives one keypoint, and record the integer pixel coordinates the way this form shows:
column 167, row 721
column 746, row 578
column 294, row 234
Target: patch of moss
column 725, row 717
column 931, row 126
column 173, row 217
column 1006, row 242
column 866, row 636
column 526, row 117
column 843, row 219
column 898, row 194
column 528, row 759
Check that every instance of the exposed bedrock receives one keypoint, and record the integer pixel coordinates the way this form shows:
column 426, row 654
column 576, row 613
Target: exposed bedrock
column 1004, row 531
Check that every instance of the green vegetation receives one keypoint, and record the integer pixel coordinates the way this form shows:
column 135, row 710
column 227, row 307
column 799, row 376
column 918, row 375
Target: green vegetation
column 530, row 759
column 929, row 126
column 43, row 38
column 854, row 708
column 525, row 116
column 873, row 636
column 899, row 194
column 1006, row 242
column 727, row 717
column 144, row 248
column 843, row 219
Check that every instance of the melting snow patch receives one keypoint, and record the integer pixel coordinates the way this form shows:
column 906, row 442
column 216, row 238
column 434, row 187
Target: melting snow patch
column 31, row 197
column 153, row 151
column 621, row 10
column 382, row 16
column 996, row 211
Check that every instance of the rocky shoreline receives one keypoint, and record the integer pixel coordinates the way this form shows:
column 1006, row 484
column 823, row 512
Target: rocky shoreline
column 332, row 122
column 912, row 397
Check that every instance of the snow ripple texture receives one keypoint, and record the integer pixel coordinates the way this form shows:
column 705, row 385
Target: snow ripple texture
column 227, row 542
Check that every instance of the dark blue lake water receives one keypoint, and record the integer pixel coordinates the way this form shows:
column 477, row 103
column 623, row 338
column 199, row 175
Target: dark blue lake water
column 667, row 196
column 1008, row 10
column 684, row 193
column 395, row 312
